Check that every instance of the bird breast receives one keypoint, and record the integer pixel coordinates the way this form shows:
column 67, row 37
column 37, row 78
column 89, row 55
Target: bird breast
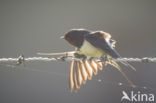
column 89, row 50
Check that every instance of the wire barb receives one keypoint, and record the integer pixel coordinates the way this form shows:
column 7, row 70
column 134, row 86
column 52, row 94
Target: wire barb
column 20, row 60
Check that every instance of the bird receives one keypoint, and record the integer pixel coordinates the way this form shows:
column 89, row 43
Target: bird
column 90, row 44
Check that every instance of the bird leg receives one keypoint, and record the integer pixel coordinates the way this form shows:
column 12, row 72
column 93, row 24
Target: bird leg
column 104, row 60
column 79, row 55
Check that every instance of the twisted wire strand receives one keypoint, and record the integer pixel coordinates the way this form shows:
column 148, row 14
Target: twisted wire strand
column 22, row 59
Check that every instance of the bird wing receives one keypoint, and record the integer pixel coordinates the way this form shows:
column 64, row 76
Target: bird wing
column 80, row 71
column 69, row 53
column 101, row 43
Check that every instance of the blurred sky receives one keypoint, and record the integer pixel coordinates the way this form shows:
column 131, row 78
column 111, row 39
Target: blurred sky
column 29, row 26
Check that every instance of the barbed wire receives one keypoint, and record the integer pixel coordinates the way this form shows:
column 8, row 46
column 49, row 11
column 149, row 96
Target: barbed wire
column 21, row 59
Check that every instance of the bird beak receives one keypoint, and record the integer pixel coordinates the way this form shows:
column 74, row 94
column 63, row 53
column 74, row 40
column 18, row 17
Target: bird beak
column 62, row 37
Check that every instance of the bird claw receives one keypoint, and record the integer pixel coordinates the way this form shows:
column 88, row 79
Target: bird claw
column 91, row 59
column 104, row 59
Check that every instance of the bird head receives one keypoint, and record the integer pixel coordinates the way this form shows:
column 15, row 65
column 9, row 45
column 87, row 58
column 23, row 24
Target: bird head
column 75, row 37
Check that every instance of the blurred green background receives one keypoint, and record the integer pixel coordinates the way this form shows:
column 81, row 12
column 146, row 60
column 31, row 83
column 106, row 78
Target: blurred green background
column 31, row 26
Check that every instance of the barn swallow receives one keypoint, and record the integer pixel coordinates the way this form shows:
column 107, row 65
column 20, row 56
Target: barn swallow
column 92, row 44
column 89, row 44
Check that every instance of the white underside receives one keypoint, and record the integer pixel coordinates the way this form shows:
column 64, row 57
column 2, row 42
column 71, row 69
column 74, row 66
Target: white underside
column 89, row 50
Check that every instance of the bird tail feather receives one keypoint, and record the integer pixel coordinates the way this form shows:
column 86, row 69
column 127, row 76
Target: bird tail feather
column 127, row 64
column 113, row 63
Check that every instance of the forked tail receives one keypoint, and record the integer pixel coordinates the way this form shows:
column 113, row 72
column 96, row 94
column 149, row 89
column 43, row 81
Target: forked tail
column 113, row 63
